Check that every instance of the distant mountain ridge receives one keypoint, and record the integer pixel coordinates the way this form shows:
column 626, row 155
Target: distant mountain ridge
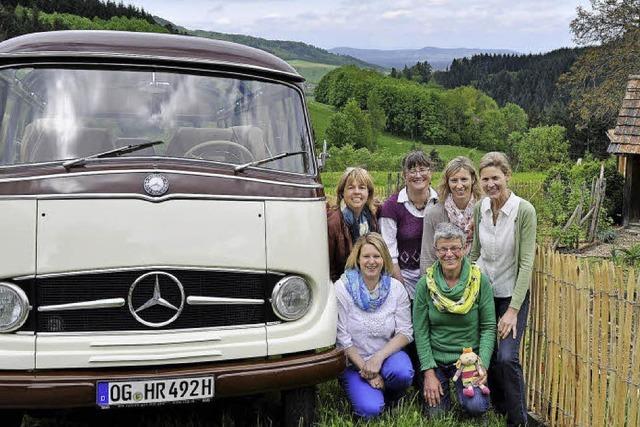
column 287, row 50
column 439, row 58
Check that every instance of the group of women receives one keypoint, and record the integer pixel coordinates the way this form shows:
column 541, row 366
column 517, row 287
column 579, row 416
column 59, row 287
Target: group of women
column 428, row 275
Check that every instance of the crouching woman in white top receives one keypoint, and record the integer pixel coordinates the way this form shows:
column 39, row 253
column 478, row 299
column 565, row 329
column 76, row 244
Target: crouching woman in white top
column 374, row 324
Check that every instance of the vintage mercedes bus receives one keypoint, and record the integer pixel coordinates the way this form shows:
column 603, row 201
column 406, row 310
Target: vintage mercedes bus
column 162, row 225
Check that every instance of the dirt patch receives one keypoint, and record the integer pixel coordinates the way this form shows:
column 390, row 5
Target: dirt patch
column 624, row 240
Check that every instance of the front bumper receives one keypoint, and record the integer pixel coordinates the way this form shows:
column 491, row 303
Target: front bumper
column 73, row 388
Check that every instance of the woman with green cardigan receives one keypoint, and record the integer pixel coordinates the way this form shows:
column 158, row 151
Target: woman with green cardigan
column 453, row 310
column 504, row 247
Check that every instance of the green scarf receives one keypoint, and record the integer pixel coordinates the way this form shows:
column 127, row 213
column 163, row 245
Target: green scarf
column 469, row 281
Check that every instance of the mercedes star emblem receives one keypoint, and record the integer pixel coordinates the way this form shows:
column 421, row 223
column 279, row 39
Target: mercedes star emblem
column 152, row 288
column 156, row 184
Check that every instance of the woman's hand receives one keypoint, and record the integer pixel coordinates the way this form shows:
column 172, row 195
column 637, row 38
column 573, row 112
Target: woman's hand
column 371, row 367
column 432, row 390
column 508, row 323
column 377, row 382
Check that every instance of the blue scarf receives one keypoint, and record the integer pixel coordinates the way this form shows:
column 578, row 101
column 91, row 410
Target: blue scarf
column 360, row 293
column 357, row 226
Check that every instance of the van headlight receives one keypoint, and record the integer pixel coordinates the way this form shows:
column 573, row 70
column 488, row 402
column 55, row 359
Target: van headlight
column 291, row 298
column 14, row 307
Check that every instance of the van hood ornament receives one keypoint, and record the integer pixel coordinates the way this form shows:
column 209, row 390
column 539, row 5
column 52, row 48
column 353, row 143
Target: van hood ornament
column 156, row 184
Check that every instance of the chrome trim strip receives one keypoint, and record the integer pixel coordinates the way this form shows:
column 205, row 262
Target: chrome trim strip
column 149, row 267
column 120, row 196
column 84, row 305
column 164, row 332
column 167, row 171
column 162, row 341
column 199, row 300
column 192, row 62
column 154, row 357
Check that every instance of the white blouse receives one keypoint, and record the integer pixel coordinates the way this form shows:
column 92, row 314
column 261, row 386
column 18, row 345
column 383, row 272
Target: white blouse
column 368, row 331
column 498, row 245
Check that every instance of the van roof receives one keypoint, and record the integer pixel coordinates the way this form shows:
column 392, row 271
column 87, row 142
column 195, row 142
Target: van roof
column 81, row 43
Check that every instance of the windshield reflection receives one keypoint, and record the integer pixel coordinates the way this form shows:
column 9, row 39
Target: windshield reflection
column 62, row 114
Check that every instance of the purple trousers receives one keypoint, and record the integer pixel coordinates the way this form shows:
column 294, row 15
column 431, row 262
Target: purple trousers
column 368, row 402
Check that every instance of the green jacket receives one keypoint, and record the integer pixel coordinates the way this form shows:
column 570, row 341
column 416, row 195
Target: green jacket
column 525, row 244
column 441, row 336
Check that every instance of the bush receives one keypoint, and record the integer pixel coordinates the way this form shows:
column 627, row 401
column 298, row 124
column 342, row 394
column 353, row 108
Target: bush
column 540, row 147
column 566, row 184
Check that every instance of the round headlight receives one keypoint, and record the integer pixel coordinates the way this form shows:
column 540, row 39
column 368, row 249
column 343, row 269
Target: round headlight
column 291, row 298
column 14, row 307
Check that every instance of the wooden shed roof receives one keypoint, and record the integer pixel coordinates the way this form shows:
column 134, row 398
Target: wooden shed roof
column 625, row 138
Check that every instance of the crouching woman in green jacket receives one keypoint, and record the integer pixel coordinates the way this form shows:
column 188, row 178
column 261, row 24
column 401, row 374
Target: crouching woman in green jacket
column 453, row 310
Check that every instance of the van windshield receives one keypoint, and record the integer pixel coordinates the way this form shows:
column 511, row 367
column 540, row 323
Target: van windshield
column 55, row 114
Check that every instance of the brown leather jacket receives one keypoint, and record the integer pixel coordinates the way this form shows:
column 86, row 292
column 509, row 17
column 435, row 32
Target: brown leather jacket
column 340, row 243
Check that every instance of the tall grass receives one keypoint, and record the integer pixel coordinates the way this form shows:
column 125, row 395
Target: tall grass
column 334, row 411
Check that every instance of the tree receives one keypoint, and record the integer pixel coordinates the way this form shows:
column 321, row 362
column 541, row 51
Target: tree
column 361, row 123
column 608, row 21
column 377, row 116
column 351, row 126
column 541, row 147
column 340, row 131
column 597, row 80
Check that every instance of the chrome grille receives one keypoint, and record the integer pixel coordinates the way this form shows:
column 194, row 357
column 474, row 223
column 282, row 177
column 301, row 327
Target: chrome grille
column 68, row 289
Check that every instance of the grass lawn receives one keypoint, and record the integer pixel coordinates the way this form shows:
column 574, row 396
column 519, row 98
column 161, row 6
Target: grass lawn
column 334, row 411
column 311, row 71
column 320, row 115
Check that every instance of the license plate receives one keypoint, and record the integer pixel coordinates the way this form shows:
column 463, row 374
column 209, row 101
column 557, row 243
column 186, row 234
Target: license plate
column 148, row 392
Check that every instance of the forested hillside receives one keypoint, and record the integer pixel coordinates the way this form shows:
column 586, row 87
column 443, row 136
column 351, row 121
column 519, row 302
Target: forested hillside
column 286, row 50
column 368, row 103
column 19, row 17
column 527, row 80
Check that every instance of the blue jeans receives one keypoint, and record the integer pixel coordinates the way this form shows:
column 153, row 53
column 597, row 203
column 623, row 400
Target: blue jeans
column 506, row 380
column 369, row 402
column 474, row 406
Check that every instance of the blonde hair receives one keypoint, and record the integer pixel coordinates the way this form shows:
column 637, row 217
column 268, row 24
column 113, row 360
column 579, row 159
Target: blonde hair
column 452, row 168
column 495, row 159
column 377, row 241
column 359, row 176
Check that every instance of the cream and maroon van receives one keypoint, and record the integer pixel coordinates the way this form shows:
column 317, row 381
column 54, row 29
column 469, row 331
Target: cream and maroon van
column 162, row 225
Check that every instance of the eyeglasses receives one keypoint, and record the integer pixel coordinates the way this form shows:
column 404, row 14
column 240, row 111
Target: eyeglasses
column 456, row 250
column 418, row 171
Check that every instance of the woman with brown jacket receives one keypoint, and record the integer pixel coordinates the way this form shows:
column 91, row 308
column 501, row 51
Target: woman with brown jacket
column 353, row 216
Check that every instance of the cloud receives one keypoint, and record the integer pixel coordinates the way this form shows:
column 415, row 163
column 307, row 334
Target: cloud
column 398, row 13
column 522, row 25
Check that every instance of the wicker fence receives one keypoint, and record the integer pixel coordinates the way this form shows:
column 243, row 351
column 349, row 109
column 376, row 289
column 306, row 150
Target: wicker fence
column 582, row 345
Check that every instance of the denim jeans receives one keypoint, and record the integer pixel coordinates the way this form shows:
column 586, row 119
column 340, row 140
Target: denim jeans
column 368, row 402
column 506, row 380
column 473, row 406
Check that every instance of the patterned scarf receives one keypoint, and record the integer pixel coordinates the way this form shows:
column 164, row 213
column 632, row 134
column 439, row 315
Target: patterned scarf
column 357, row 226
column 461, row 218
column 360, row 293
column 469, row 295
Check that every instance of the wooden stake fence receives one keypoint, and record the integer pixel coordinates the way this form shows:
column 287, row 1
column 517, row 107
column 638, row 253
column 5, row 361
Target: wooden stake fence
column 582, row 346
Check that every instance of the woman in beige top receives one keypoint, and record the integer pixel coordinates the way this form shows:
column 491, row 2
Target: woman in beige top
column 458, row 192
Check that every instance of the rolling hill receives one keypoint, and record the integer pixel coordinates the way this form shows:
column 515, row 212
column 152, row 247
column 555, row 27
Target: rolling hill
column 439, row 58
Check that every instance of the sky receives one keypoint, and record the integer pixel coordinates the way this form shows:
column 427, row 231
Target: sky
column 527, row 26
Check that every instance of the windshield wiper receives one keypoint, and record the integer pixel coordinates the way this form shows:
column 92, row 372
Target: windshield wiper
column 240, row 168
column 111, row 153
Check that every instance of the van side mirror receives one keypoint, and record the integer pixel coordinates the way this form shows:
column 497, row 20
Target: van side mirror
column 323, row 156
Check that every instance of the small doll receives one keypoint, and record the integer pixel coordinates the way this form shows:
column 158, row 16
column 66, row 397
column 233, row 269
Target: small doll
column 470, row 368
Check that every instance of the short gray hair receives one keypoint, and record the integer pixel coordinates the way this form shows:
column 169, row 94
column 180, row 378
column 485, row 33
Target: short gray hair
column 447, row 231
